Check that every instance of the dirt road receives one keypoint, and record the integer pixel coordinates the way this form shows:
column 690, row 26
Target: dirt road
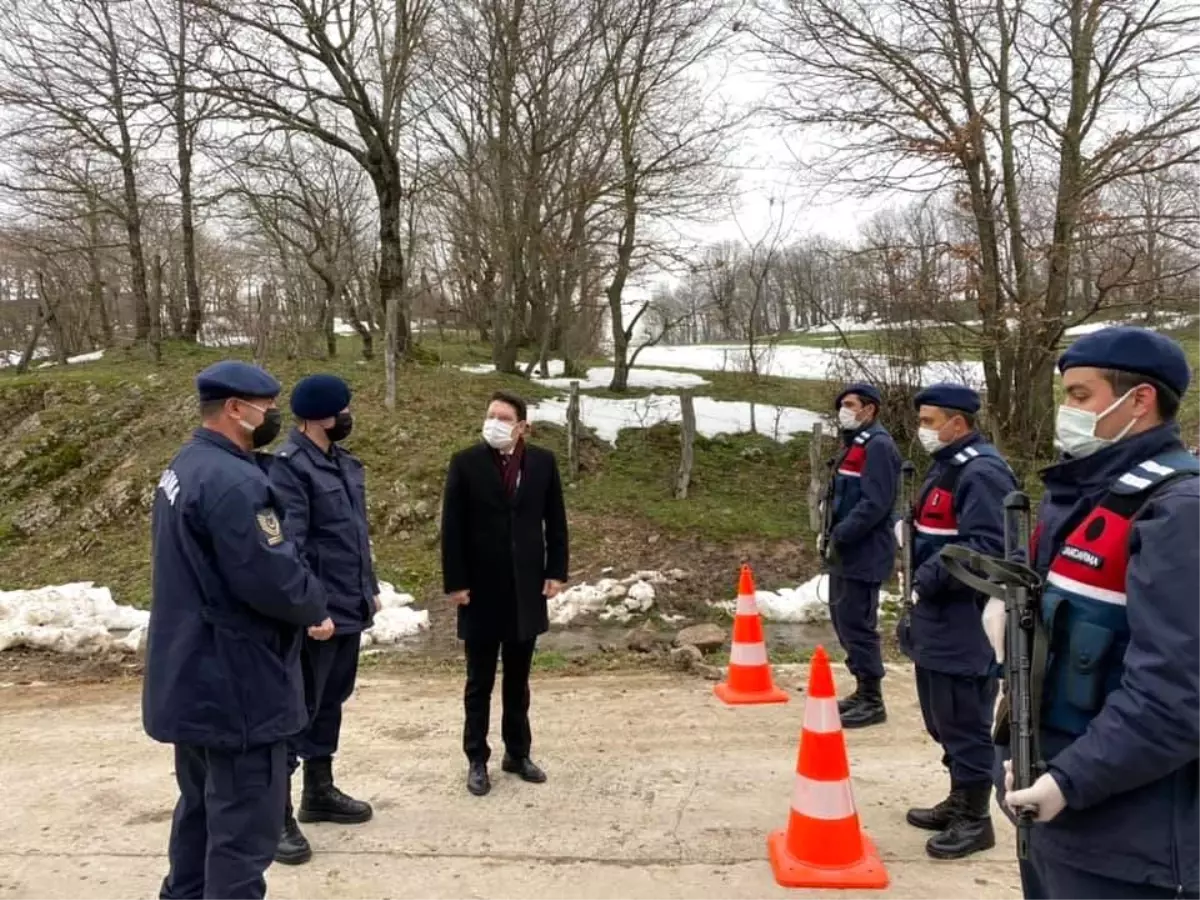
column 656, row 790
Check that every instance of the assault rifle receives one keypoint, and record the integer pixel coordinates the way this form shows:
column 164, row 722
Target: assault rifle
column 908, row 483
column 827, row 512
column 1011, row 580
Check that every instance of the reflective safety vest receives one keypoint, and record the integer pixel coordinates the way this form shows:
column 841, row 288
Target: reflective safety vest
column 1083, row 602
column 847, row 477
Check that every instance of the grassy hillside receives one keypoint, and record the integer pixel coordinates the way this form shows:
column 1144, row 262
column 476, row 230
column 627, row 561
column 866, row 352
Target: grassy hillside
column 87, row 443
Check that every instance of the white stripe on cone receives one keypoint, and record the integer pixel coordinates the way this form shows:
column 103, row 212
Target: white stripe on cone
column 828, row 800
column 821, row 715
column 748, row 654
column 747, row 605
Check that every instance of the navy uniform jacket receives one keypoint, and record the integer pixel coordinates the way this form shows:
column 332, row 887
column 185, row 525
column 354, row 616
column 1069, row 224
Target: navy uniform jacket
column 1131, row 780
column 865, row 480
column 961, row 502
column 231, row 600
column 324, row 504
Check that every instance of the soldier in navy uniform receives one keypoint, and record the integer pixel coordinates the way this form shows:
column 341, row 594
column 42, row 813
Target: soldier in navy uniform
column 1116, row 540
column 322, row 493
column 231, row 599
column 860, row 545
column 960, row 502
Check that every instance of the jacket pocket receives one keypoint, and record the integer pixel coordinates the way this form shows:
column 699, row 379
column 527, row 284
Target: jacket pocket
column 259, row 676
column 330, row 505
column 1089, row 645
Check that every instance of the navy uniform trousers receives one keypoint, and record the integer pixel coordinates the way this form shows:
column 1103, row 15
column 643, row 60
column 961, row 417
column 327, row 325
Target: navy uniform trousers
column 958, row 713
column 854, row 610
column 330, row 670
column 227, row 821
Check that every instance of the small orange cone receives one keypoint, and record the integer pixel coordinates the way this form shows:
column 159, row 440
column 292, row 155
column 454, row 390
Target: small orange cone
column 749, row 678
column 824, row 846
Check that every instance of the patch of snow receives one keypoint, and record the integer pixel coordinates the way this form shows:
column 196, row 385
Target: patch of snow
column 610, row 599
column 792, row 361
column 94, row 356
column 396, row 620
column 68, row 618
column 599, row 377
column 806, row 604
column 607, row 416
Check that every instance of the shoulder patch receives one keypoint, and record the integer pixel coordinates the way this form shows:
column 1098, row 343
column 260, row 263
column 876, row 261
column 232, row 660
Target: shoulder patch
column 268, row 524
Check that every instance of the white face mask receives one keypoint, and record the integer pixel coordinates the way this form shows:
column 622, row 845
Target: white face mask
column 847, row 418
column 498, row 433
column 929, row 439
column 1075, row 429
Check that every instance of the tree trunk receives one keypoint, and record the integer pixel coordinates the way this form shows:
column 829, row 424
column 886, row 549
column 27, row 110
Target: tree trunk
column 156, row 305
column 625, row 244
column 95, row 280
column 391, row 259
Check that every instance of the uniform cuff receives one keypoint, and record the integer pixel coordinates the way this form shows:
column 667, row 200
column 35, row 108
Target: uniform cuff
column 1067, row 786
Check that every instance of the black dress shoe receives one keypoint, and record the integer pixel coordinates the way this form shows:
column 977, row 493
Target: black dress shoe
column 478, row 782
column 523, row 768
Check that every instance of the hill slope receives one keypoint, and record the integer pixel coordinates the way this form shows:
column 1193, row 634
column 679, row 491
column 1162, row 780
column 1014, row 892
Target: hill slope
column 87, row 443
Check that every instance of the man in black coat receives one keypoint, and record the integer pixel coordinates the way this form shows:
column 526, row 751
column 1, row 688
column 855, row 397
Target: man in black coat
column 504, row 551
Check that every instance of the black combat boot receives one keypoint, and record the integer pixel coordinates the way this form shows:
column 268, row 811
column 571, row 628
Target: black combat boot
column 846, row 703
column 939, row 816
column 971, row 830
column 293, row 849
column 322, row 802
column 869, row 709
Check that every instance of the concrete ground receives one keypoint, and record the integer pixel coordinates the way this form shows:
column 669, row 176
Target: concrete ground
column 656, row 790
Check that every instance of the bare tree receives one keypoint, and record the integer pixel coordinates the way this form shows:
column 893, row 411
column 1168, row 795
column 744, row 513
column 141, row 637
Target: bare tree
column 167, row 29
column 992, row 101
column 671, row 141
column 68, row 67
column 341, row 72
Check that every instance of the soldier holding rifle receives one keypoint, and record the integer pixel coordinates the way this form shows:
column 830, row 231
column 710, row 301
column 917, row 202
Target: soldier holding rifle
column 960, row 503
column 1115, row 676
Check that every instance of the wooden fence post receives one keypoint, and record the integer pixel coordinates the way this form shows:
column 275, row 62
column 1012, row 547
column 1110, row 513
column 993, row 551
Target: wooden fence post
column 687, row 438
column 816, row 484
column 573, row 432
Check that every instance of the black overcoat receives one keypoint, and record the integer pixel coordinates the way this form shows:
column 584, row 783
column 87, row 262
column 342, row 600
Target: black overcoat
column 503, row 550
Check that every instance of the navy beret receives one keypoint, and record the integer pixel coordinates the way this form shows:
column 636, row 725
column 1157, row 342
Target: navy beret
column 234, row 378
column 319, row 397
column 948, row 395
column 866, row 391
column 1128, row 349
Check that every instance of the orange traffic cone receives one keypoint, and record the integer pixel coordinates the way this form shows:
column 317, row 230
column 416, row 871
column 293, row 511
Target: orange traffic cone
column 824, row 845
column 749, row 678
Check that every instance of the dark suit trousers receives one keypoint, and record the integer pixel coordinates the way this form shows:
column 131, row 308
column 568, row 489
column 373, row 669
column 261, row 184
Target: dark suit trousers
column 514, row 688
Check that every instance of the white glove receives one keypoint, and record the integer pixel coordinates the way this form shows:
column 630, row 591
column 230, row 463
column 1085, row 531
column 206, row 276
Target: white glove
column 820, row 545
column 993, row 626
column 900, row 533
column 915, row 598
column 1045, row 796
